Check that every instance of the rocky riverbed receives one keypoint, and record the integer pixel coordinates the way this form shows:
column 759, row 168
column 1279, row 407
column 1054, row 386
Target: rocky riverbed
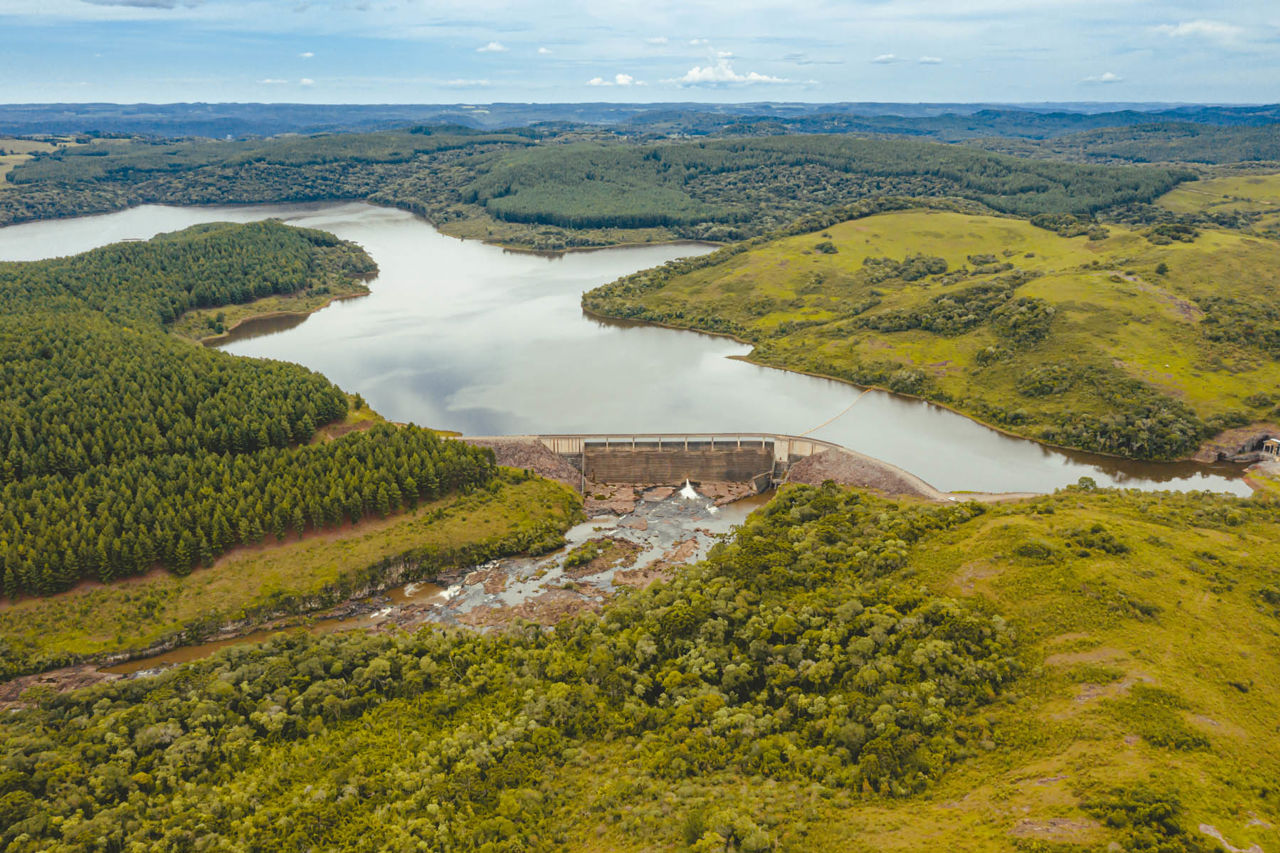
column 642, row 536
column 658, row 530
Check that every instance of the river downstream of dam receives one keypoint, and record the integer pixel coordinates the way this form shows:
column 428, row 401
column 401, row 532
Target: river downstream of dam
column 465, row 336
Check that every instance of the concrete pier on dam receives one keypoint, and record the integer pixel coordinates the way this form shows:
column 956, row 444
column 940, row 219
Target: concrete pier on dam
column 760, row 461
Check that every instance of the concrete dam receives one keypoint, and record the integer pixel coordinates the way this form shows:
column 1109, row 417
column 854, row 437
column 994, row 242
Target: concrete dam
column 761, row 459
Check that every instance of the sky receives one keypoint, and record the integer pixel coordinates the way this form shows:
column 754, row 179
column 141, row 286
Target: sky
column 484, row 51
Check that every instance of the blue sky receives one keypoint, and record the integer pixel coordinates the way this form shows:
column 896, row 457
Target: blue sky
column 475, row 51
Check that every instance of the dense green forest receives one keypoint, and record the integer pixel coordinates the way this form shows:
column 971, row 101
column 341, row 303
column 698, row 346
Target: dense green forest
column 796, row 652
column 1160, row 142
column 829, row 679
column 728, row 180
column 125, row 447
column 552, row 189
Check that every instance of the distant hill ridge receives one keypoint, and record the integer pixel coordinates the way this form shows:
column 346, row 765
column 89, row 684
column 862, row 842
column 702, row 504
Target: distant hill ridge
column 942, row 121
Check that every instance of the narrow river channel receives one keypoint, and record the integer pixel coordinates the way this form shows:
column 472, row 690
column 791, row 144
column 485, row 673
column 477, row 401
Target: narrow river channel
column 465, row 336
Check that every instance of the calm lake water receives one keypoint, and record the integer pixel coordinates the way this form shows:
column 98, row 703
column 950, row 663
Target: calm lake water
column 464, row 336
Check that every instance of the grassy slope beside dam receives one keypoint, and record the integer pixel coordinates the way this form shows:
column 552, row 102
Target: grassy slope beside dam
column 1131, row 343
column 254, row 584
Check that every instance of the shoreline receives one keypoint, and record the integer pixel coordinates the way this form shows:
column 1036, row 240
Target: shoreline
column 511, row 247
column 595, row 315
column 214, row 340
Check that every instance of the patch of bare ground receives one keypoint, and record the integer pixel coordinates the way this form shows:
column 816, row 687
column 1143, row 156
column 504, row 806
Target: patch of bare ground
column 332, row 431
column 973, row 573
column 660, row 569
column 726, row 493
column 494, row 579
column 641, row 578
column 59, row 680
column 1101, row 654
column 550, row 607
column 532, row 455
column 850, row 469
column 1186, row 309
column 1090, row 692
column 1070, row 637
column 1214, row 833
column 1235, row 442
column 1063, row 830
column 610, row 498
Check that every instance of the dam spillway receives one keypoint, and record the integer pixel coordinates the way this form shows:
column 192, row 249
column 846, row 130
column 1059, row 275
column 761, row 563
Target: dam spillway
column 761, row 459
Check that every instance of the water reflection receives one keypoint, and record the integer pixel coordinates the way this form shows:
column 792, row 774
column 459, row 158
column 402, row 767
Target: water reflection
column 459, row 335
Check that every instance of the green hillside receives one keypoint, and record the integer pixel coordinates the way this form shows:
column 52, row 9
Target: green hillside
column 1081, row 672
column 1117, row 340
column 556, row 188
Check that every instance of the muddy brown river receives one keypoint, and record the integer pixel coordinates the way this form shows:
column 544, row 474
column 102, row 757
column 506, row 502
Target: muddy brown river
column 466, row 336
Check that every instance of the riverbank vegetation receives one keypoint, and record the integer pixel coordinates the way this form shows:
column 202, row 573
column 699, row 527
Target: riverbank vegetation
column 1117, row 340
column 1078, row 670
column 293, row 575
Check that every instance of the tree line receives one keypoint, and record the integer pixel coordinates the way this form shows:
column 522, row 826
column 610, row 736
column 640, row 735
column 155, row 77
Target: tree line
column 721, row 189
column 123, row 447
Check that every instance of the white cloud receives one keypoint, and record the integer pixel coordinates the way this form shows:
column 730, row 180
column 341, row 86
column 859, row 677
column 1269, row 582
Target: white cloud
column 307, row 81
column 1105, row 77
column 722, row 73
column 656, row 40
column 886, row 58
column 930, row 60
column 306, row 54
column 618, row 80
column 1213, row 30
column 272, row 81
column 698, row 42
column 544, row 50
column 492, row 47
column 466, row 84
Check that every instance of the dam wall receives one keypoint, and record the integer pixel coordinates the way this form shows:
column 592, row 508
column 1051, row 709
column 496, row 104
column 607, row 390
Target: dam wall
column 675, row 465
column 759, row 459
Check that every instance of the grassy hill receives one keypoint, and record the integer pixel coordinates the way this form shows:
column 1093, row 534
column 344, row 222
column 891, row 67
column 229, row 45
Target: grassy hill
column 1124, row 341
column 1081, row 672
column 1253, row 194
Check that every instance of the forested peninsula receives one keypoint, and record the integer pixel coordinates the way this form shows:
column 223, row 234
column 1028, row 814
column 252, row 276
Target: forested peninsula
column 128, row 448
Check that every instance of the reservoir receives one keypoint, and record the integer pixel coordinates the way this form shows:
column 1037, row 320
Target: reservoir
column 464, row 336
